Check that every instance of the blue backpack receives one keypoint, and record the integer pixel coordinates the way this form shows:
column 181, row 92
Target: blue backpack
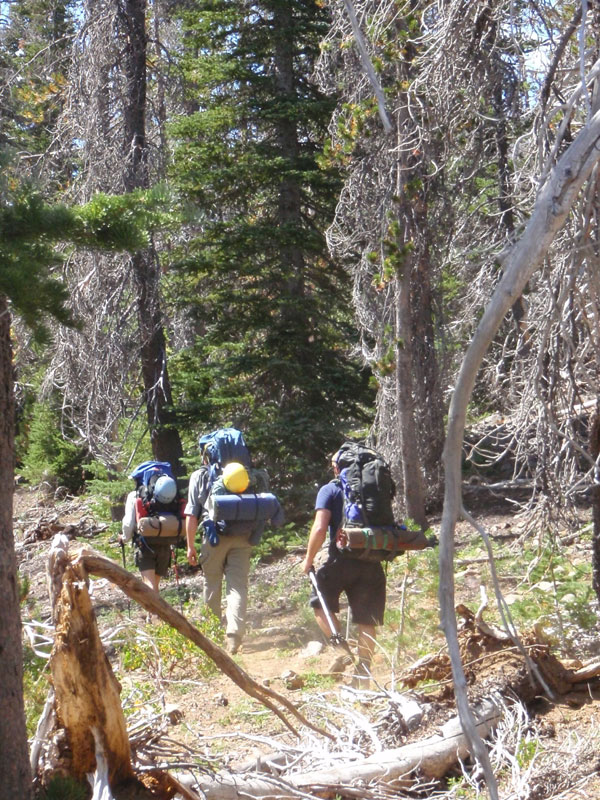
column 223, row 447
column 145, row 476
column 240, row 514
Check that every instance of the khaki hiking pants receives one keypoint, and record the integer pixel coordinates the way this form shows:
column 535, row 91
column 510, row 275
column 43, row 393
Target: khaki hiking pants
column 229, row 559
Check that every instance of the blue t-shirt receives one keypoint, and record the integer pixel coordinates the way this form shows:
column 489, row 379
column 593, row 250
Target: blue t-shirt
column 331, row 498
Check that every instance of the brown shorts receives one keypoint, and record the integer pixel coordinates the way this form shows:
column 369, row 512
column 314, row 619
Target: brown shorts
column 364, row 583
column 152, row 554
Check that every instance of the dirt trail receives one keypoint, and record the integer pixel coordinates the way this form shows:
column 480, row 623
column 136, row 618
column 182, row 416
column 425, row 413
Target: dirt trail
column 280, row 628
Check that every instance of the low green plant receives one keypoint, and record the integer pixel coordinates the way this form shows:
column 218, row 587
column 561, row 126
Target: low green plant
column 277, row 542
column 316, row 680
column 247, row 711
column 526, row 751
column 168, row 646
column 24, row 585
column 458, row 788
column 49, row 455
column 36, row 685
column 63, row 787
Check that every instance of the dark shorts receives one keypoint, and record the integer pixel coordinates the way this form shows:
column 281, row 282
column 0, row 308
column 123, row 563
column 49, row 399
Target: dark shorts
column 364, row 584
column 150, row 554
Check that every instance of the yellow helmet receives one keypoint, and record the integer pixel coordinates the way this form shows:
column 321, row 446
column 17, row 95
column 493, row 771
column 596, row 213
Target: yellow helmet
column 235, row 478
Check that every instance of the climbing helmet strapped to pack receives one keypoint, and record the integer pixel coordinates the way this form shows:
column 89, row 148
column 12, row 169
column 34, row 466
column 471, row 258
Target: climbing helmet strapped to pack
column 369, row 530
column 158, row 508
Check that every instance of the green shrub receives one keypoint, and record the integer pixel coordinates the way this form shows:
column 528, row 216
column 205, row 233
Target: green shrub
column 63, row 787
column 276, row 542
column 168, row 646
column 49, row 456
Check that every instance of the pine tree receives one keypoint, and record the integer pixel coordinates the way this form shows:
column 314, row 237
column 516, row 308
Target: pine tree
column 34, row 56
column 29, row 230
column 271, row 309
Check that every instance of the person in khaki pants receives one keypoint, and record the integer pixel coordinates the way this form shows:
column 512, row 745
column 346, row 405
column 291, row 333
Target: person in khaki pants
column 224, row 555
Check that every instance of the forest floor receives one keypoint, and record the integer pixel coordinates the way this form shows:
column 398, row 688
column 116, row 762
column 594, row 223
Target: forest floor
column 557, row 752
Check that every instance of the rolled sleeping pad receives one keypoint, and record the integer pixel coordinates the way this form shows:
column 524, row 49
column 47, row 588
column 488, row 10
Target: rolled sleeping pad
column 391, row 539
column 163, row 525
column 242, row 507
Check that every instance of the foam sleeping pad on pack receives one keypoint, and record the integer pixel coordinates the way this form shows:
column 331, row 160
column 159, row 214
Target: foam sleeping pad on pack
column 242, row 507
column 392, row 539
column 162, row 525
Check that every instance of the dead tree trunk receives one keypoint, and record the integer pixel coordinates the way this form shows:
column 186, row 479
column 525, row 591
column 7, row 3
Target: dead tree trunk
column 166, row 444
column 88, row 704
column 432, row 757
column 549, row 214
column 595, row 452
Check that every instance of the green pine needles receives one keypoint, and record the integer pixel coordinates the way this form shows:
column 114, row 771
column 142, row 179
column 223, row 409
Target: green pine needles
column 271, row 309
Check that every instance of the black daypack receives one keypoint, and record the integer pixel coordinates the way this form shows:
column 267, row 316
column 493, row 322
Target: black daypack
column 368, row 486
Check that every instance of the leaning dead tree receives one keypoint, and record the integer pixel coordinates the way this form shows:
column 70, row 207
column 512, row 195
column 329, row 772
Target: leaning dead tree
column 554, row 202
column 117, row 360
column 86, row 691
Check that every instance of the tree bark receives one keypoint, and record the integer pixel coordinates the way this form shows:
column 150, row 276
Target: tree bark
column 153, row 602
column 433, row 757
column 87, row 694
column 15, row 775
column 550, row 211
column 166, row 444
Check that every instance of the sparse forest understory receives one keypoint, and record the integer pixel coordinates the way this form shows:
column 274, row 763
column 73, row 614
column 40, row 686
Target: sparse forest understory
column 314, row 222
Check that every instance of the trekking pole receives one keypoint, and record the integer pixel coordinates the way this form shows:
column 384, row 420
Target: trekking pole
column 336, row 637
column 122, row 543
column 176, row 571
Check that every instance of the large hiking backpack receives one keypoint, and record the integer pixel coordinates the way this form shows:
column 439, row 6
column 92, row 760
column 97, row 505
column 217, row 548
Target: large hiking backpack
column 223, row 447
column 235, row 513
column 158, row 512
column 368, row 530
column 367, row 484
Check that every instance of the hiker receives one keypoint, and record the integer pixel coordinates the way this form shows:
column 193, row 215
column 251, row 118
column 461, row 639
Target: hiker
column 364, row 582
column 152, row 520
column 227, row 480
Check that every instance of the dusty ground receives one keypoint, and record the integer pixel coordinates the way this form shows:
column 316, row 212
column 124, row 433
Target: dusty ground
column 566, row 726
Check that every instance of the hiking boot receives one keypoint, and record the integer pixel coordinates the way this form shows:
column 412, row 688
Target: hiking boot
column 339, row 664
column 233, row 643
column 362, row 677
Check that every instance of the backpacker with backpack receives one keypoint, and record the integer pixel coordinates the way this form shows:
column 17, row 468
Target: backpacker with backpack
column 158, row 507
column 369, row 530
column 239, row 496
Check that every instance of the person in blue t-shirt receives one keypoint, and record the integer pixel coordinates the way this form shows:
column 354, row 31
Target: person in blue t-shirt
column 363, row 582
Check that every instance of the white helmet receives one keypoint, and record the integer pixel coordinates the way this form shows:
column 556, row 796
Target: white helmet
column 165, row 489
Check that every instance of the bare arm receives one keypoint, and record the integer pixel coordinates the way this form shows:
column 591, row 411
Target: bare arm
column 317, row 536
column 191, row 526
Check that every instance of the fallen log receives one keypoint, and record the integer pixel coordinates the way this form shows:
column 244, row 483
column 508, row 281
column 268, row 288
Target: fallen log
column 86, row 691
column 431, row 757
column 154, row 603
